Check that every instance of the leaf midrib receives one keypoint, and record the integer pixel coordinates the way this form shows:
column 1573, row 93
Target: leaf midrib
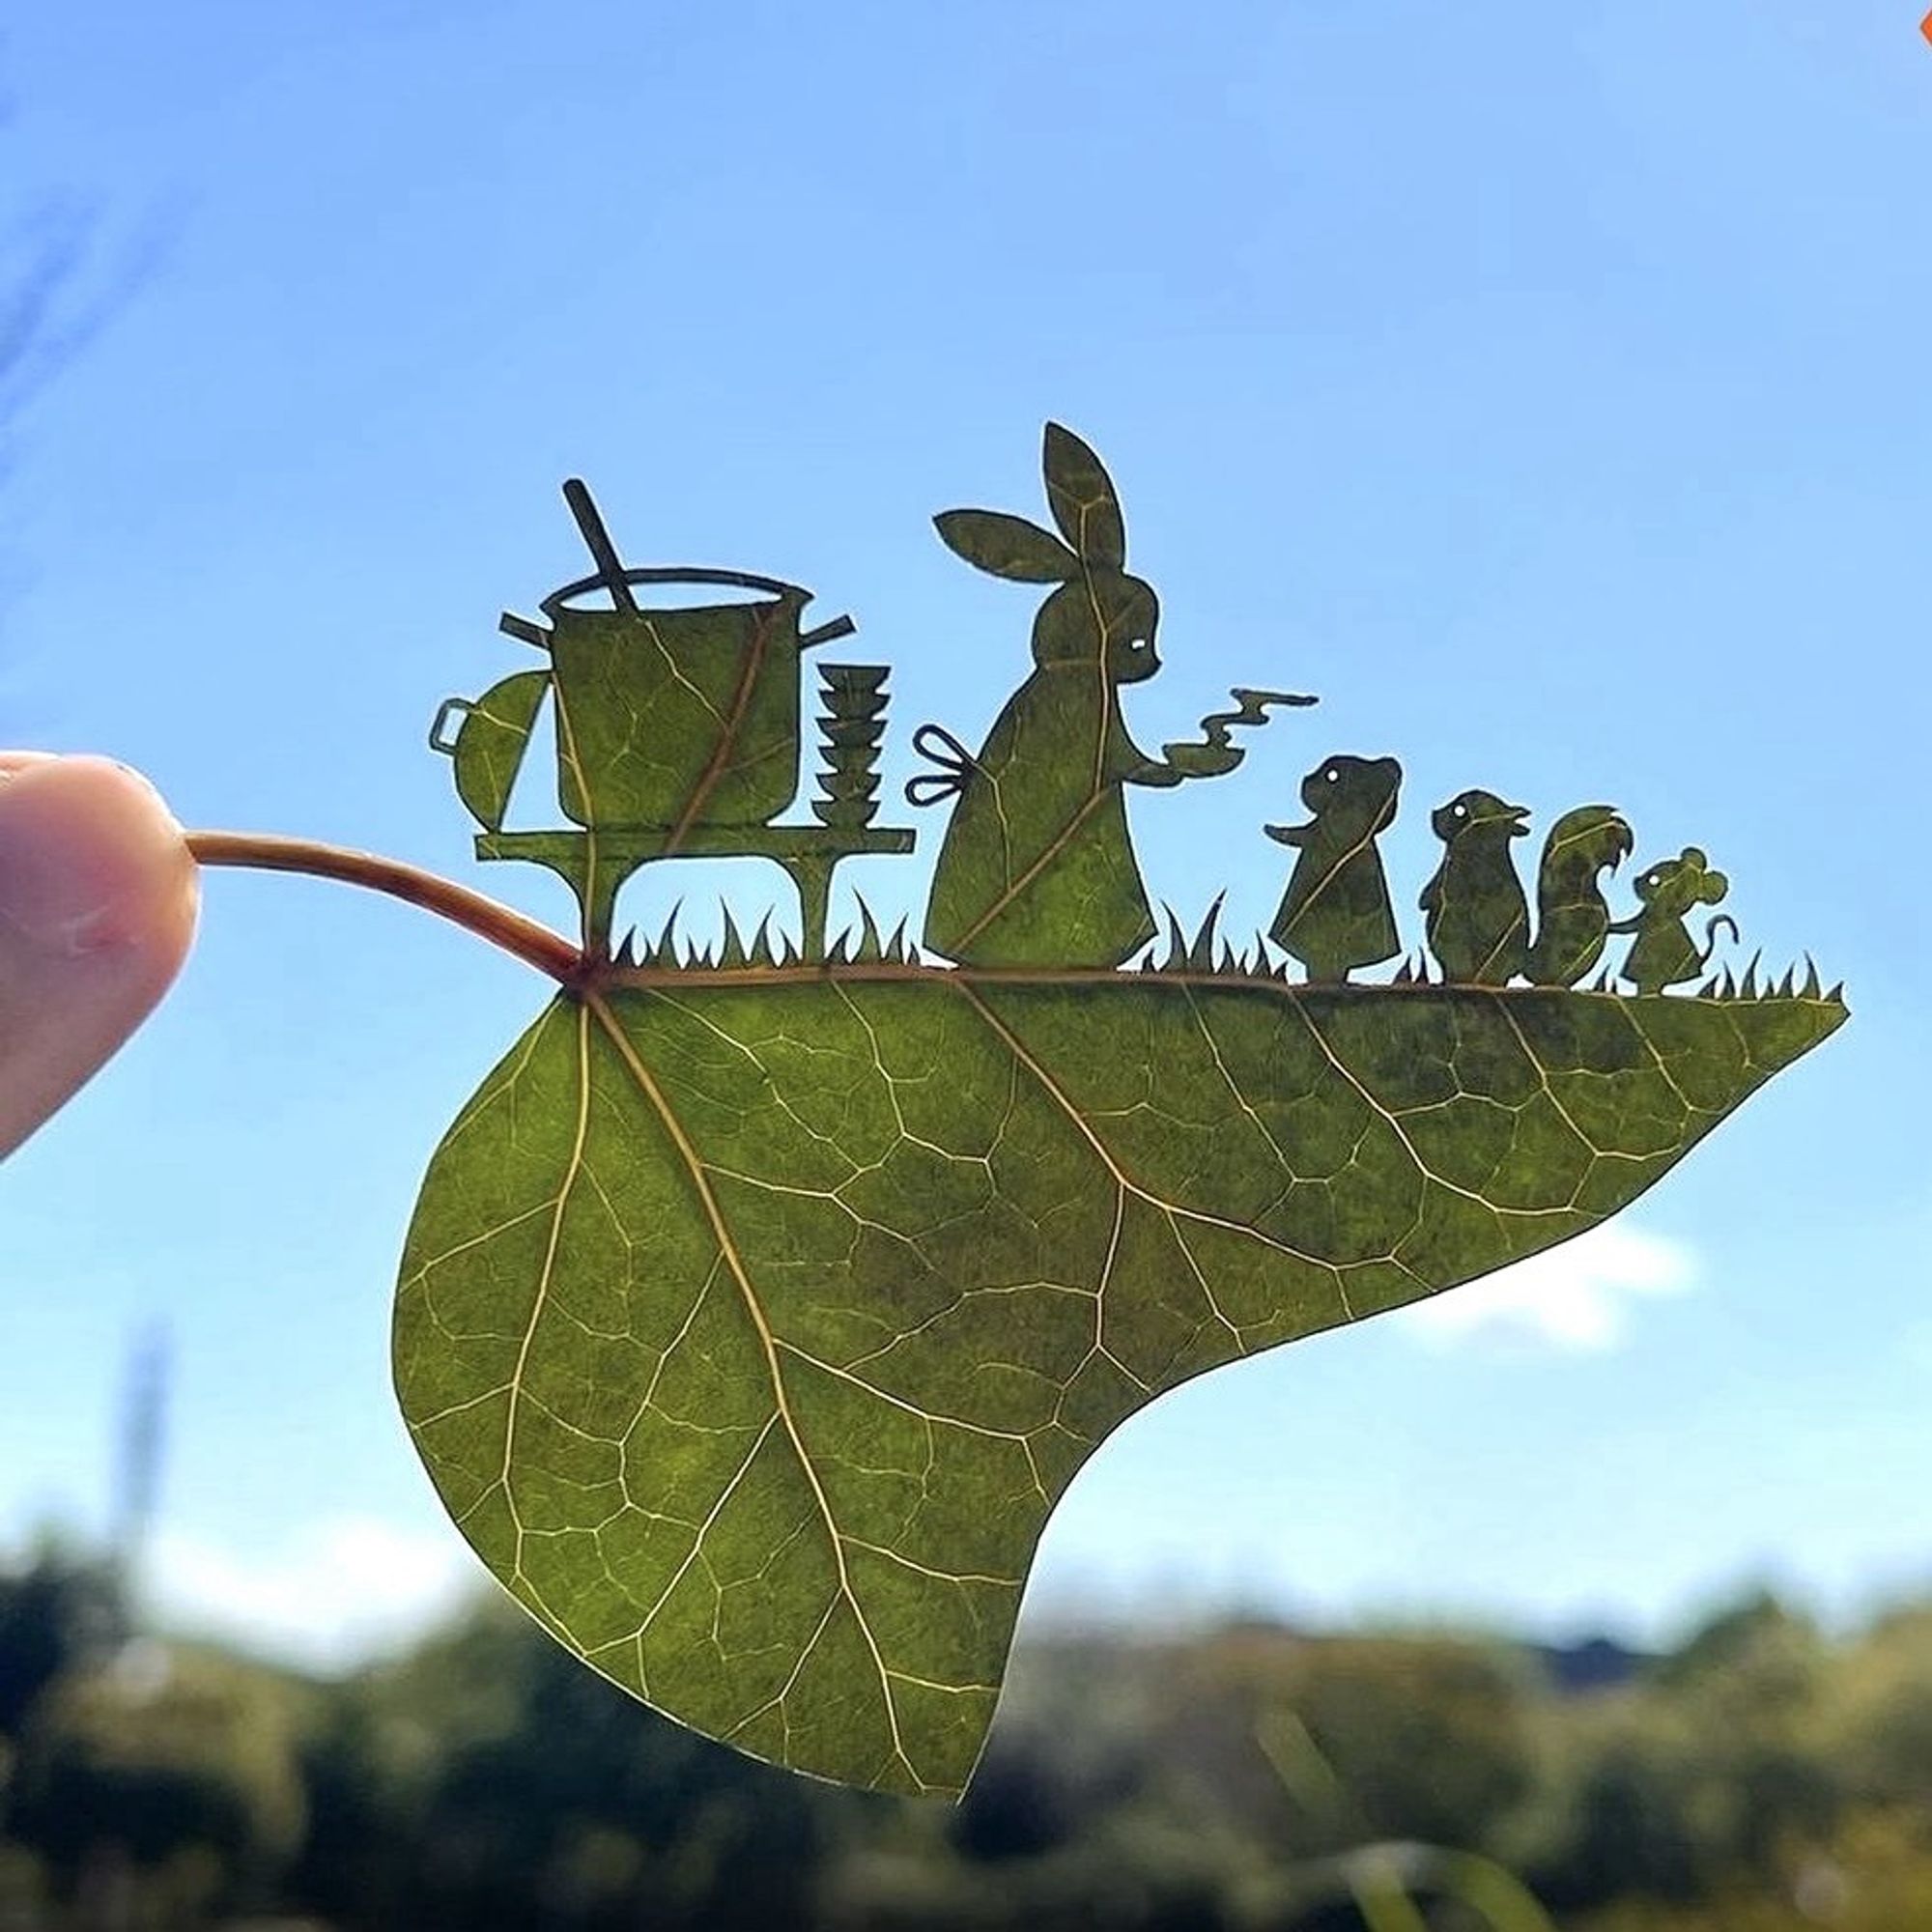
column 767, row 1342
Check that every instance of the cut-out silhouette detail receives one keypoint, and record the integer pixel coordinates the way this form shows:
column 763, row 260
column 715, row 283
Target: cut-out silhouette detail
column 850, row 728
column 1663, row 954
column 1214, row 752
column 1037, row 867
column 1573, row 921
column 953, row 765
column 1336, row 914
column 1478, row 919
column 490, row 743
column 677, row 734
column 783, row 1291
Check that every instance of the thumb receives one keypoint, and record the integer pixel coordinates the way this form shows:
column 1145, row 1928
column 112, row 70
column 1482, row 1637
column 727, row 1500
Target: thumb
column 98, row 898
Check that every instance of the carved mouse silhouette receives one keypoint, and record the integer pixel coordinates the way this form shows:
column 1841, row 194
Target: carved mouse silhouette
column 1037, row 867
column 1572, row 919
column 1335, row 914
column 1478, row 923
column 1663, row 954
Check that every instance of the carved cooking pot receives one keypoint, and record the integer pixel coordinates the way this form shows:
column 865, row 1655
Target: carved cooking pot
column 681, row 715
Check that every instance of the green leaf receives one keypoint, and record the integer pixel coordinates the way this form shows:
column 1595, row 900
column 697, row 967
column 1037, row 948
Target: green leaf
column 1007, row 546
column 752, row 1324
column 1082, row 498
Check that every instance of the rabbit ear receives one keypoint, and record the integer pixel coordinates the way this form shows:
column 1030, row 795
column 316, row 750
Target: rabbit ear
column 1007, row 546
column 1081, row 497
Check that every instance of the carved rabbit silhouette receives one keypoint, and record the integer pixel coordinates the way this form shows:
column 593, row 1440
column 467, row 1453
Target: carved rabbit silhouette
column 1037, row 867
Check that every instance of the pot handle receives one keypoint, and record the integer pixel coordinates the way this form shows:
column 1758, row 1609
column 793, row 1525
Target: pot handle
column 838, row 626
column 449, row 705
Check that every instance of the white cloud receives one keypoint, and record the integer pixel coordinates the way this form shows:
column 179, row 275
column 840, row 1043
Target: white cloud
column 326, row 1594
column 1576, row 1297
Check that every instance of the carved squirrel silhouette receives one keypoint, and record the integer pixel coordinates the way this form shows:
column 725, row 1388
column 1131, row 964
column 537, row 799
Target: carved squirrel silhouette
column 1573, row 921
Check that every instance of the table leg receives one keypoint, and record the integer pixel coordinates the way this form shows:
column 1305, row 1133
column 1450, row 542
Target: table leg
column 812, row 875
column 597, row 895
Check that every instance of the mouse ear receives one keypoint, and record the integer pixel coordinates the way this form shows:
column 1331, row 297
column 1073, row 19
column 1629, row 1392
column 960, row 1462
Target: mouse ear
column 1081, row 496
column 1714, row 888
column 1007, row 546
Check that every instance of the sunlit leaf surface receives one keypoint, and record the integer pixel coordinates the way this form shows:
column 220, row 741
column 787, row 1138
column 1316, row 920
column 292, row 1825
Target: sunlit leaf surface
column 752, row 1322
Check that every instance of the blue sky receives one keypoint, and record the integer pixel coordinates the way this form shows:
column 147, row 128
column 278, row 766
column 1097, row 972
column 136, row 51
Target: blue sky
column 1546, row 387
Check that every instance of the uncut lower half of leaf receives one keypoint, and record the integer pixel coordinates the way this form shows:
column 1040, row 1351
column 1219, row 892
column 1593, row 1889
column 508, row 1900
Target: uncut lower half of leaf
column 752, row 1330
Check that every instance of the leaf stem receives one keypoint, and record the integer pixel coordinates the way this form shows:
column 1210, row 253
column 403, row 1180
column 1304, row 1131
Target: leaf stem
column 263, row 851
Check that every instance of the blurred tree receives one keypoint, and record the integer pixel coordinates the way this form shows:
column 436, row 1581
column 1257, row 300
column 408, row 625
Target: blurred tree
column 167, row 1773
column 56, row 1610
column 1070, row 1749
column 1623, row 1823
column 1707, row 1775
column 1879, row 1732
column 1321, row 1744
column 1750, row 1685
column 1758, row 1779
column 492, row 1781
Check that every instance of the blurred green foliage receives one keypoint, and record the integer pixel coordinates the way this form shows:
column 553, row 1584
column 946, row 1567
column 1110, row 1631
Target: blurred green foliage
column 1761, row 1778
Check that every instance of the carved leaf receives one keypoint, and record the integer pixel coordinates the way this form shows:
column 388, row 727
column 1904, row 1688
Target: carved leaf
column 751, row 1325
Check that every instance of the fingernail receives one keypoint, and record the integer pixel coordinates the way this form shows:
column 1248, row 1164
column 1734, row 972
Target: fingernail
column 53, row 910
column 68, row 877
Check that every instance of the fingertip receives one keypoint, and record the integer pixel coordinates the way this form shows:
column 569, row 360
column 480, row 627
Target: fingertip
column 97, row 907
column 92, row 861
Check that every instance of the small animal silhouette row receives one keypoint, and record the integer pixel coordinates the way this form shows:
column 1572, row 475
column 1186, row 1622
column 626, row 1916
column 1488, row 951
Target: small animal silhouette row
column 1336, row 914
